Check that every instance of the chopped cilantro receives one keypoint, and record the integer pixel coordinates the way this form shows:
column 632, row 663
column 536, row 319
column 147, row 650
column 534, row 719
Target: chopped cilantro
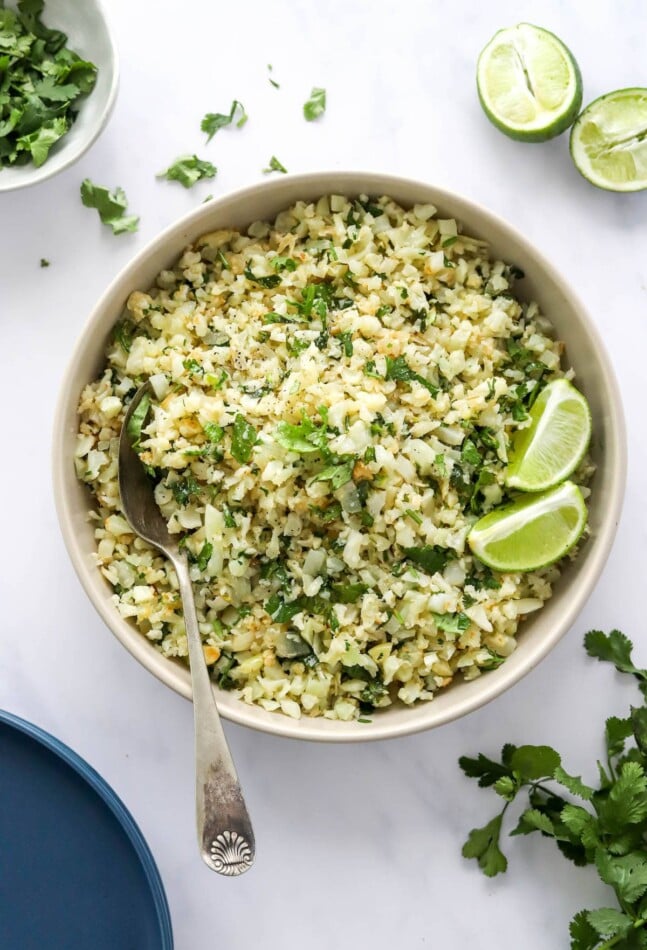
column 243, row 440
column 338, row 474
column 306, row 437
column 430, row 558
column 315, row 105
column 275, row 166
column 283, row 263
column 41, row 84
column 399, row 370
column 452, row 623
column 271, row 280
column 111, row 205
column 44, row 262
column 137, row 420
column 189, row 169
column 204, row 556
column 213, row 121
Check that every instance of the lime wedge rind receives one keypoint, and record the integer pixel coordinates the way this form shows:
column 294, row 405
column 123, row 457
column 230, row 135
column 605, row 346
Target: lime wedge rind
column 529, row 83
column 608, row 141
column 550, row 449
column 531, row 532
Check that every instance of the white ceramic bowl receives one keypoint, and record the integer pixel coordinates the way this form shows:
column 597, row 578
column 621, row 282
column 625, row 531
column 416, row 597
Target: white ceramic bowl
column 585, row 352
column 88, row 35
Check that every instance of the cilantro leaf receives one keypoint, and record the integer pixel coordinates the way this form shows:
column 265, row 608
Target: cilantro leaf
column 615, row 648
column 398, row 369
column 275, row 166
column 617, row 731
column 39, row 142
column 487, row 771
column 533, row 762
column 627, row 875
column 338, row 474
column 348, row 593
column 271, row 280
column 243, row 440
column 573, row 783
column 639, row 726
column 137, row 420
column 189, row 169
column 534, row 820
column 429, row 557
column 583, row 935
column 315, row 105
column 204, row 556
column 452, row 623
column 627, row 800
column 609, row 922
column 111, row 205
column 305, row 437
column 213, row 121
column 483, row 844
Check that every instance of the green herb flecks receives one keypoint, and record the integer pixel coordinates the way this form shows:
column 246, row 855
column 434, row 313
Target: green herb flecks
column 603, row 824
column 137, row 421
column 315, row 105
column 111, row 205
column 272, row 82
column 275, row 166
column 41, row 85
column 430, row 557
column 304, row 438
column 243, row 440
column 213, row 121
column 44, row 262
column 398, row 369
column 271, row 280
column 189, row 169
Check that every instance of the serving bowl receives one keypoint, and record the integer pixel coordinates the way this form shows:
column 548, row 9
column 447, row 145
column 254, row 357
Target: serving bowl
column 585, row 353
column 88, row 35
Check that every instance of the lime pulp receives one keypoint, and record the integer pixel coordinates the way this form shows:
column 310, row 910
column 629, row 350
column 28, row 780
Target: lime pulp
column 609, row 141
column 529, row 83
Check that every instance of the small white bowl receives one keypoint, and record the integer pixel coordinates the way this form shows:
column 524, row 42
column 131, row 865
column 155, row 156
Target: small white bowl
column 88, row 35
column 585, row 353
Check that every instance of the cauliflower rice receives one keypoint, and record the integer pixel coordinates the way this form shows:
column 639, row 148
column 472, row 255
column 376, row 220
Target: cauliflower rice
column 335, row 394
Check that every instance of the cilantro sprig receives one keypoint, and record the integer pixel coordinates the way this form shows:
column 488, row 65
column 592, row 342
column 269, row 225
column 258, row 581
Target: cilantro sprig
column 603, row 825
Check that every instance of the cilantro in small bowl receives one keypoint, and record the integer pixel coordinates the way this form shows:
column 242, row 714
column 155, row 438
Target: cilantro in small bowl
column 58, row 82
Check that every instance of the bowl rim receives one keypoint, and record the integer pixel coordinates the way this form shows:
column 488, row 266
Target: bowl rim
column 237, row 711
column 34, row 176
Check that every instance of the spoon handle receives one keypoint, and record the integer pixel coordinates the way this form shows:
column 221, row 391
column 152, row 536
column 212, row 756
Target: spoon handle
column 224, row 830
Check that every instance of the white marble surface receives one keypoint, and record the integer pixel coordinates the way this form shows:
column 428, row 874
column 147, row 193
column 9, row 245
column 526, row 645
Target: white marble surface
column 356, row 846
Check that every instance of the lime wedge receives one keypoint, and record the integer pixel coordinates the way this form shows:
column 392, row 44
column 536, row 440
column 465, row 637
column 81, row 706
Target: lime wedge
column 609, row 141
column 553, row 445
column 532, row 531
column 529, row 83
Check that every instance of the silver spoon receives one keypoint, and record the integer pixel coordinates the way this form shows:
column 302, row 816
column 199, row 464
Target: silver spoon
column 224, row 830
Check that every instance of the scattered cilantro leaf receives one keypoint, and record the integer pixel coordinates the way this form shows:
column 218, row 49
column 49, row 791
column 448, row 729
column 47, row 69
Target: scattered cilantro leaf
column 315, row 105
column 189, row 169
column 111, row 205
column 337, row 474
column 452, row 623
column 275, row 166
column 44, row 262
column 214, row 121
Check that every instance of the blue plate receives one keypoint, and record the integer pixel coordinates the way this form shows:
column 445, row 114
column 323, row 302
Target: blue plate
column 75, row 871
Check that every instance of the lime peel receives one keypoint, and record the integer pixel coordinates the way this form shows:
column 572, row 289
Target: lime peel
column 549, row 450
column 529, row 83
column 531, row 532
column 609, row 141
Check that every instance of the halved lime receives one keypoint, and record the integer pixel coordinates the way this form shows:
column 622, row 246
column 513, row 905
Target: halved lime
column 553, row 445
column 532, row 531
column 529, row 83
column 609, row 141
